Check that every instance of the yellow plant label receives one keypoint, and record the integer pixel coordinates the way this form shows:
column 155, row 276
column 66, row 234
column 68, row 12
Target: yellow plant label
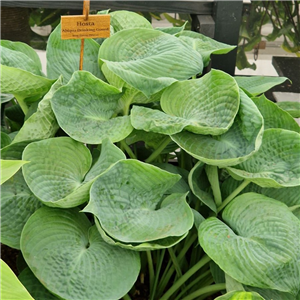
column 76, row 27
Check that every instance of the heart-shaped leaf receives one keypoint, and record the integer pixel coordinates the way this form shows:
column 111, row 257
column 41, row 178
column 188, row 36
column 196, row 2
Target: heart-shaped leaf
column 122, row 19
column 241, row 141
column 276, row 163
column 256, row 85
column 128, row 201
column 193, row 105
column 42, row 124
column 261, row 246
column 274, row 117
column 204, row 45
column 63, row 56
column 85, row 107
column 71, row 259
column 11, row 288
column 149, row 60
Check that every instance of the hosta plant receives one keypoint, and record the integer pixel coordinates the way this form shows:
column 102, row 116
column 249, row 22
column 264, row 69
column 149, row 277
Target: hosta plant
column 144, row 177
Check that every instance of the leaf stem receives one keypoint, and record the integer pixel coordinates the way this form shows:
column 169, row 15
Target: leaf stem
column 160, row 261
column 151, row 270
column 128, row 149
column 126, row 297
column 234, row 194
column 213, row 177
column 208, row 289
column 159, row 149
column 202, row 262
column 22, row 104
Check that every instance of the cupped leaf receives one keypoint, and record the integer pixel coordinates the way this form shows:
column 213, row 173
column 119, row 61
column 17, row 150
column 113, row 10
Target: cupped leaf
column 287, row 195
column 204, row 45
column 23, row 84
column 256, row 85
column 71, row 259
column 293, row 108
column 274, row 117
column 276, row 163
column 57, row 168
column 9, row 168
column 63, row 56
column 240, row 295
column 241, row 141
column 149, row 60
column 85, row 107
column 128, row 201
column 261, row 246
column 11, row 288
column 198, row 183
column 151, row 245
column 42, row 124
column 122, row 19
column 25, row 49
column 35, row 288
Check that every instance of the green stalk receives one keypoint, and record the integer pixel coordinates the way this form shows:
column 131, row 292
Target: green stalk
column 208, row 289
column 213, row 177
column 175, row 262
column 293, row 208
column 128, row 149
column 126, row 297
column 205, row 259
column 160, row 261
column 151, row 270
column 234, row 194
column 22, row 104
column 159, row 149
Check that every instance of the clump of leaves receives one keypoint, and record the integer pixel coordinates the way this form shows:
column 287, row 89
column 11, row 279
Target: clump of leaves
column 141, row 167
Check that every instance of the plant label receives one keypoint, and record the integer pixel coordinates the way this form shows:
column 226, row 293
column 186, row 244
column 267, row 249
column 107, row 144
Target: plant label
column 77, row 27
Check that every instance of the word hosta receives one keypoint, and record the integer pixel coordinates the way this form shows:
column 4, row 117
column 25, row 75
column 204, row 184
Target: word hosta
column 141, row 176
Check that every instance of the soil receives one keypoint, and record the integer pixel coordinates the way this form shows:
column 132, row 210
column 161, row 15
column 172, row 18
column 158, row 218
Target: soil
column 9, row 256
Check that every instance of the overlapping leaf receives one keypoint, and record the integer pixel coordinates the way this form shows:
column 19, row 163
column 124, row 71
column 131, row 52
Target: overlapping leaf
column 59, row 170
column 9, row 168
column 63, row 56
column 276, row 163
column 240, row 295
column 293, row 108
column 195, row 105
column 85, row 107
column 241, row 141
column 204, row 45
column 261, row 246
column 149, row 60
column 71, row 259
column 128, row 202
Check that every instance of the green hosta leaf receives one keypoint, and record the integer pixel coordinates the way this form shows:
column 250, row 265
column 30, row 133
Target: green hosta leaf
column 57, row 169
column 23, row 84
column 256, row 85
column 293, row 108
column 172, row 30
column 16, row 59
column 151, row 245
column 11, row 288
column 269, row 294
column 261, row 246
column 17, row 204
column 199, row 183
column 276, row 163
column 14, row 151
column 6, row 98
column 71, row 259
column 237, row 144
column 84, row 108
column 32, row 284
column 25, row 49
column 274, row 117
column 9, row 168
column 192, row 105
column 42, row 124
column 127, row 200
column 149, row 60
column 204, row 45
column 5, row 139
column 63, row 56
column 240, row 295
column 287, row 195
column 122, row 19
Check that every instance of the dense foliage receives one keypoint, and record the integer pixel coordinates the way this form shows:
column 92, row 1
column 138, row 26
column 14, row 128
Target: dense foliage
column 141, row 174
